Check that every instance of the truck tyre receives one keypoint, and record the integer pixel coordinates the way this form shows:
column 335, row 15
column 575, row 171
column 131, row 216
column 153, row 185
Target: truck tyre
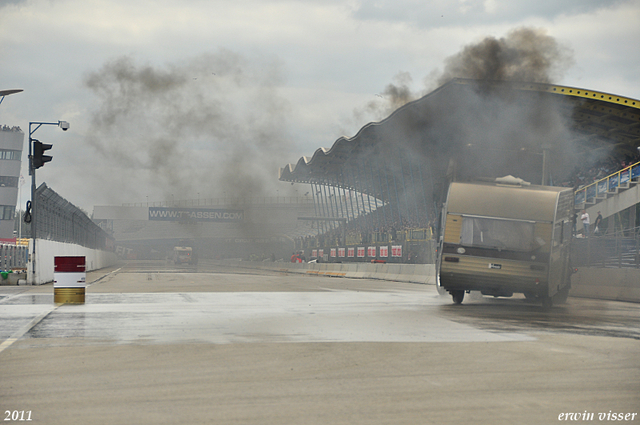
column 458, row 296
column 561, row 296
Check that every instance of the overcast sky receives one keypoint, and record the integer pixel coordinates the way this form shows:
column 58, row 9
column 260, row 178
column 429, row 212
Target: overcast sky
column 172, row 100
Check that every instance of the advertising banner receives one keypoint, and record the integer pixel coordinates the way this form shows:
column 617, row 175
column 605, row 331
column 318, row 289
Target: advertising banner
column 384, row 251
column 194, row 214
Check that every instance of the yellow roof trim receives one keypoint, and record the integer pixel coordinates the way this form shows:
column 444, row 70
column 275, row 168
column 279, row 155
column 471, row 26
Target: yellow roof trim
column 566, row 91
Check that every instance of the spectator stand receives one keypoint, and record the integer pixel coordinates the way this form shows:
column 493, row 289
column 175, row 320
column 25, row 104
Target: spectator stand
column 608, row 186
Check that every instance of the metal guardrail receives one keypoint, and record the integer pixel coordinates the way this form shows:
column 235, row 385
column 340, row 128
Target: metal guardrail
column 616, row 251
column 609, row 184
column 408, row 235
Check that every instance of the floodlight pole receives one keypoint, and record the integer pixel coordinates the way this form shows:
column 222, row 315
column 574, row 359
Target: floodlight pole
column 32, row 172
column 545, row 165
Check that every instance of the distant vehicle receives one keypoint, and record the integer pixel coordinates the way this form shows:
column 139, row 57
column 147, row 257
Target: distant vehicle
column 506, row 237
column 184, row 254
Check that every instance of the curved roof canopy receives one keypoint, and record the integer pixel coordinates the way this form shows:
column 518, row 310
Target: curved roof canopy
column 9, row 91
column 469, row 128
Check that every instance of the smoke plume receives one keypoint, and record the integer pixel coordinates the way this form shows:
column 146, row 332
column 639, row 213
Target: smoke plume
column 394, row 95
column 481, row 129
column 525, row 54
column 503, row 131
column 210, row 126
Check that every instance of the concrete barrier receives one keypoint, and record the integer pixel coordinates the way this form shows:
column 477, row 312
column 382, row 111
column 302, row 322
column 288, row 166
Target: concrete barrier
column 606, row 284
column 412, row 273
column 14, row 278
column 599, row 283
column 46, row 250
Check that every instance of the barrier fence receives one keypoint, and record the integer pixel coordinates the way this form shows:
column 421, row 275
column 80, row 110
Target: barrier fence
column 616, row 251
column 59, row 220
column 13, row 257
column 402, row 246
column 610, row 183
column 338, row 238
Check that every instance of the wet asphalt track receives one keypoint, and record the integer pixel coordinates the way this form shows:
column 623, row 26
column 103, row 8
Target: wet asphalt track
column 206, row 344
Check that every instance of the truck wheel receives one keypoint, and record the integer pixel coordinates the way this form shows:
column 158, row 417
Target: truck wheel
column 561, row 296
column 547, row 303
column 457, row 296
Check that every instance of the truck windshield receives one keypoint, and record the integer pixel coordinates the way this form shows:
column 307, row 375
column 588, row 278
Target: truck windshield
column 500, row 234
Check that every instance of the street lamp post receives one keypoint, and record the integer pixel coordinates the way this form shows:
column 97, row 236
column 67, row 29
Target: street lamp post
column 4, row 93
column 32, row 172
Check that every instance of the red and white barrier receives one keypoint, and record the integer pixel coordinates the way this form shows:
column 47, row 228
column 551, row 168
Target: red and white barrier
column 69, row 280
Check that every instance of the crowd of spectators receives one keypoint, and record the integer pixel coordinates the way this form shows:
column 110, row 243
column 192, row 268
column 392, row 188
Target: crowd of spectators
column 590, row 173
column 381, row 225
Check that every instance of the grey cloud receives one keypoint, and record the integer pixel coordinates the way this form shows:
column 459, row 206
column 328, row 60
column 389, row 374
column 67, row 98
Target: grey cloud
column 446, row 13
column 4, row 3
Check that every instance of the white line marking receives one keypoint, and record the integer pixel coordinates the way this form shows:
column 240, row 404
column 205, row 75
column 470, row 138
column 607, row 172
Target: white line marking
column 20, row 332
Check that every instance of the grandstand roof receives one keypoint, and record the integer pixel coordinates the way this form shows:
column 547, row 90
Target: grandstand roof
column 475, row 123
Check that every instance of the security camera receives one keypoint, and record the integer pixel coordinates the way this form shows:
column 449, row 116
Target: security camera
column 64, row 125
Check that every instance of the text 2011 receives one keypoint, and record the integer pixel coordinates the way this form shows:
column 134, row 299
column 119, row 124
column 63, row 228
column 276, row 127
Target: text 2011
column 17, row 415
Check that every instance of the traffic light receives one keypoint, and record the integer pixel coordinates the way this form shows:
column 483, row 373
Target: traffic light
column 39, row 159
